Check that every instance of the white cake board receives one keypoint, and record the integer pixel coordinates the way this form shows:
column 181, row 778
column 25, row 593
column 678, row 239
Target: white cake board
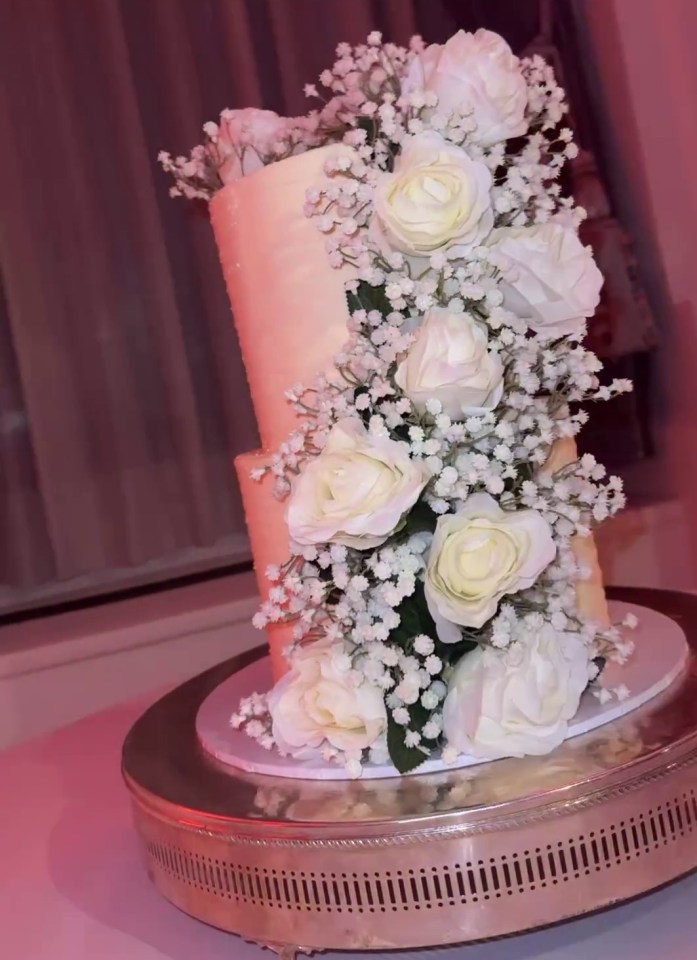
column 661, row 655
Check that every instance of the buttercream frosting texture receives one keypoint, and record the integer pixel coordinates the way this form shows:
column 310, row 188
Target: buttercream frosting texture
column 288, row 303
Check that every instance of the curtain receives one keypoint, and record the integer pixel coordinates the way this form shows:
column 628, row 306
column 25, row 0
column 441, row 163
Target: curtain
column 122, row 395
column 123, row 400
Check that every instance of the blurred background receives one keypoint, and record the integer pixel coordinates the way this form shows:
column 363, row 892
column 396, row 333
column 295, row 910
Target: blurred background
column 122, row 395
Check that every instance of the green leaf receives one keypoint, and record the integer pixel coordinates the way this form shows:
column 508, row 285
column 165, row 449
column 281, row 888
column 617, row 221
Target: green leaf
column 404, row 758
column 450, row 653
column 419, row 518
column 353, row 302
column 367, row 297
column 370, row 127
column 414, row 619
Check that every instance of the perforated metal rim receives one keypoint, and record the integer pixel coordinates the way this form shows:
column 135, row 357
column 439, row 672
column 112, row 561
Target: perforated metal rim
column 447, row 884
column 450, row 889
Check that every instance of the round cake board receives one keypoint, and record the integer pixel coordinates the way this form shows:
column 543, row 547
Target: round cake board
column 661, row 655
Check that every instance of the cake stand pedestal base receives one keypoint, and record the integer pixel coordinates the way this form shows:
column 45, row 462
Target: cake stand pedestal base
column 425, row 860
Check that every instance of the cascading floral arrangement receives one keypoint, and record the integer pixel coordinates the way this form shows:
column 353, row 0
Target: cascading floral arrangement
column 433, row 508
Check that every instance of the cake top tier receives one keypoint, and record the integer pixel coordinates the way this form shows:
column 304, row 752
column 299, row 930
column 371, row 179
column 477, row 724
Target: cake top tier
column 288, row 302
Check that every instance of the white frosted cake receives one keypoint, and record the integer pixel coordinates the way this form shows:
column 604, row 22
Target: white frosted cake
column 411, row 297
column 272, row 256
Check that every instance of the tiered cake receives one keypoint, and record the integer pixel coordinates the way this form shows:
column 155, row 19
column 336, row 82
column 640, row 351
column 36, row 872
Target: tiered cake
column 410, row 296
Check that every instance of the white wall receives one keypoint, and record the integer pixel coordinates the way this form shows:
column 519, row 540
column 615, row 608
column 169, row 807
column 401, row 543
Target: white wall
column 58, row 669
column 647, row 546
column 643, row 52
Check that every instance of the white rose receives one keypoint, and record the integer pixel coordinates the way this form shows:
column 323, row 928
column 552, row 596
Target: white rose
column 245, row 138
column 555, row 281
column 356, row 491
column 475, row 74
column 317, row 703
column 479, row 554
column 435, row 198
column 518, row 701
column 449, row 361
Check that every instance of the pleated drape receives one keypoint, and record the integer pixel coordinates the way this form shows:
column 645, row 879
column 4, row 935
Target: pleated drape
column 122, row 394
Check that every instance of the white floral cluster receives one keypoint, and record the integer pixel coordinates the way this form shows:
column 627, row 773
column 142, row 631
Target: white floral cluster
column 363, row 77
column 241, row 142
column 244, row 140
column 437, row 507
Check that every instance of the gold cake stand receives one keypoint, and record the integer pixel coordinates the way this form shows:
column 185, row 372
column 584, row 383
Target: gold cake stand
column 421, row 861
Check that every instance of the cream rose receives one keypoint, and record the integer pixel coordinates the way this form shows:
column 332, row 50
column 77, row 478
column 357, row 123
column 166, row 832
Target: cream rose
column 244, row 138
column 478, row 75
column 479, row 554
column 449, row 361
column 317, row 703
column 518, row 701
column 555, row 281
column 356, row 491
column 435, row 198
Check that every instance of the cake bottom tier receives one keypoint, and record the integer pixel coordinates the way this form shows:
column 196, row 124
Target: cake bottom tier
column 590, row 592
column 268, row 535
